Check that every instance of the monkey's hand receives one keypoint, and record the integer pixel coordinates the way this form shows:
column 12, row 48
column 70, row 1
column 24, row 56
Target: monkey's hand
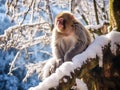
column 55, row 65
column 50, row 67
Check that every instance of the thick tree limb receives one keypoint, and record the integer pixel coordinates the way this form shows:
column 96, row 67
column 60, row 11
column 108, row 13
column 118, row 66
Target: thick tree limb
column 83, row 66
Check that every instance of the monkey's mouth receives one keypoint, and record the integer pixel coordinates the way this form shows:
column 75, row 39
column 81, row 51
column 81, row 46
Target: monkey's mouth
column 61, row 23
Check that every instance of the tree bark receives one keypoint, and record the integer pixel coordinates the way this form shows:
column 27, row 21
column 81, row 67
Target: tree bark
column 115, row 14
column 96, row 14
column 96, row 78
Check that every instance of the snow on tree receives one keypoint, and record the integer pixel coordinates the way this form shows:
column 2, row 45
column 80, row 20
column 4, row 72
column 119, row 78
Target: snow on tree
column 65, row 76
column 97, row 67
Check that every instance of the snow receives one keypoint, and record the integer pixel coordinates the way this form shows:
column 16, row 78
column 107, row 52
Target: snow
column 96, row 27
column 115, row 38
column 81, row 85
column 65, row 69
column 53, row 80
column 65, row 80
column 93, row 27
column 95, row 49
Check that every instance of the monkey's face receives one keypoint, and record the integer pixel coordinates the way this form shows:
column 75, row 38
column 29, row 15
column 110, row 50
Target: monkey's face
column 63, row 22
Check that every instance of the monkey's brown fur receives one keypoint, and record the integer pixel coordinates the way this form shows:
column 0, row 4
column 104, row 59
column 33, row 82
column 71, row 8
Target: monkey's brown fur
column 69, row 37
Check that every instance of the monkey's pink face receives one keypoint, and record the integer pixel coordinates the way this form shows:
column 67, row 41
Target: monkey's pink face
column 60, row 23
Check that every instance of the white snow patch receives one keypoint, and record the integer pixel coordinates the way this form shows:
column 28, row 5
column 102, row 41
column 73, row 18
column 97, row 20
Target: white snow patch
column 66, row 68
column 93, row 27
column 95, row 49
column 96, row 27
column 53, row 80
column 81, row 85
column 114, row 36
column 65, row 80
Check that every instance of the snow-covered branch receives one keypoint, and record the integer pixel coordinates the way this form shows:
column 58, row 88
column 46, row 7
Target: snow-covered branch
column 49, row 13
column 99, row 29
column 23, row 36
column 26, row 11
column 13, row 62
column 65, row 76
column 32, row 68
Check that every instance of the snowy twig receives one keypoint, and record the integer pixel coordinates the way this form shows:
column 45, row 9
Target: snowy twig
column 23, row 36
column 32, row 68
column 49, row 13
column 26, row 12
column 13, row 62
column 19, row 11
column 46, row 52
column 99, row 29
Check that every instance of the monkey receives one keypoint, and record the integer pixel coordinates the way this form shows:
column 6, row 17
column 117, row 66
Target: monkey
column 69, row 37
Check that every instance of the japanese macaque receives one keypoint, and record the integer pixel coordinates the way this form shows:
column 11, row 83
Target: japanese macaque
column 69, row 37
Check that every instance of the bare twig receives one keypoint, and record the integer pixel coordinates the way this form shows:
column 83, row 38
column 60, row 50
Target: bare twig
column 96, row 14
column 49, row 13
column 26, row 12
column 13, row 62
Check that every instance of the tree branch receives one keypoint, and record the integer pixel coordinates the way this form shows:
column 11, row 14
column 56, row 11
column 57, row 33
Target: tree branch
column 23, row 36
column 82, row 64
column 95, row 8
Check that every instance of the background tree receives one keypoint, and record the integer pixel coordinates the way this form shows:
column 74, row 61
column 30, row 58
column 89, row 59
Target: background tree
column 115, row 14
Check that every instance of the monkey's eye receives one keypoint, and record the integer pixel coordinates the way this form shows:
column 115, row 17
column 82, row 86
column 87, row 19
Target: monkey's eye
column 60, row 20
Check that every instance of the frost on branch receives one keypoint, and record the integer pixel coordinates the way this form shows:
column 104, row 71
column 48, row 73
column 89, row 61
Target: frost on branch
column 32, row 68
column 82, row 65
column 26, row 11
column 99, row 29
column 22, row 37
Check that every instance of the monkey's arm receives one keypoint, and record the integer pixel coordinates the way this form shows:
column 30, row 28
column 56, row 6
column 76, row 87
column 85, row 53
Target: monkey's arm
column 83, row 40
column 57, row 51
column 78, row 48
